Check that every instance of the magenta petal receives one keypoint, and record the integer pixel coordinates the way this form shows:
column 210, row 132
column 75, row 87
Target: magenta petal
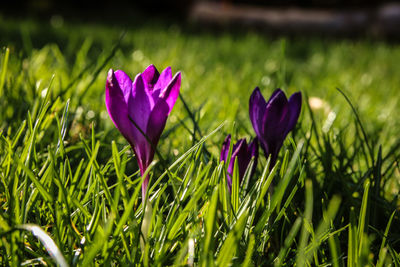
column 139, row 113
column 171, row 92
column 117, row 107
column 142, row 151
column 294, row 110
column 164, row 78
column 157, row 121
column 139, row 104
column 124, row 82
column 257, row 106
column 150, row 76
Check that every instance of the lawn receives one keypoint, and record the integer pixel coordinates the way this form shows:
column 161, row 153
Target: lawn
column 70, row 184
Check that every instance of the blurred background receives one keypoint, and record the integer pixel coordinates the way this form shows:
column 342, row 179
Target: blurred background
column 349, row 18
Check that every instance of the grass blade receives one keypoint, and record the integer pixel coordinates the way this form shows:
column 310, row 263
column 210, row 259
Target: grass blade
column 47, row 242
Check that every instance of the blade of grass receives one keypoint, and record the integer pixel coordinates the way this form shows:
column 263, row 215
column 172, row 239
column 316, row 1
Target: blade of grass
column 352, row 253
column 382, row 252
column 47, row 242
column 235, row 187
column 279, row 261
column 4, row 70
column 301, row 259
column 231, row 243
column 209, row 227
column 280, row 189
column 363, row 218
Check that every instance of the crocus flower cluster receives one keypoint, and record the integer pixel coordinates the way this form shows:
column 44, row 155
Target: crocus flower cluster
column 140, row 109
column 242, row 153
column 272, row 121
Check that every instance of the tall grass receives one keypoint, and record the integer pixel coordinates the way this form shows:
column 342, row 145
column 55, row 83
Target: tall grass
column 70, row 187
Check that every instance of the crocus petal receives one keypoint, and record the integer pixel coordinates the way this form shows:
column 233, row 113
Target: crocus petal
column 171, row 92
column 117, row 106
column 242, row 153
column 275, row 93
column 150, row 76
column 164, row 78
column 257, row 106
column 253, row 152
column 139, row 112
column 253, row 148
column 139, row 104
column 238, row 147
column 157, row 120
column 225, row 148
column 274, row 123
column 239, row 153
column 124, row 82
column 294, row 104
column 242, row 157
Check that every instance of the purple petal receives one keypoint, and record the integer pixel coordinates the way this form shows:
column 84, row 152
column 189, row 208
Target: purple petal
column 274, row 123
column 139, row 113
column 240, row 154
column 157, row 120
column 257, row 106
column 171, row 92
column 150, row 76
column 139, row 104
column 294, row 104
column 237, row 153
column 164, row 79
column 143, row 148
column 253, row 148
column 116, row 105
column 240, row 148
column 253, row 152
column 225, row 148
column 162, row 82
column 274, row 94
column 124, row 82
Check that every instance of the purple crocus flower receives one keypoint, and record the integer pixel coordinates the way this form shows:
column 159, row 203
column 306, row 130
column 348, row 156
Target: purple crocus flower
column 140, row 109
column 273, row 120
column 242, row 153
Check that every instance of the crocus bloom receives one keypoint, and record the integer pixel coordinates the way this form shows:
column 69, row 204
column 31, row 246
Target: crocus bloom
column 140, row 109
column 273, row 120
column 242, row 153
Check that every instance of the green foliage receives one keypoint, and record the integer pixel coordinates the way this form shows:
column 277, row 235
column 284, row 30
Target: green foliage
column 70, row 187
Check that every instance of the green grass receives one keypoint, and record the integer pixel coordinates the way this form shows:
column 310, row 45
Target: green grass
column 70, row 185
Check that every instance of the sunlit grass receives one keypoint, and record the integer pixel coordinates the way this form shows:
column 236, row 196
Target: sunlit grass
column 64, row 167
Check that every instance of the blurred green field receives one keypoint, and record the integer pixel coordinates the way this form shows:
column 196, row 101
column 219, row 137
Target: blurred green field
column 219, row 69
column 219, row 72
